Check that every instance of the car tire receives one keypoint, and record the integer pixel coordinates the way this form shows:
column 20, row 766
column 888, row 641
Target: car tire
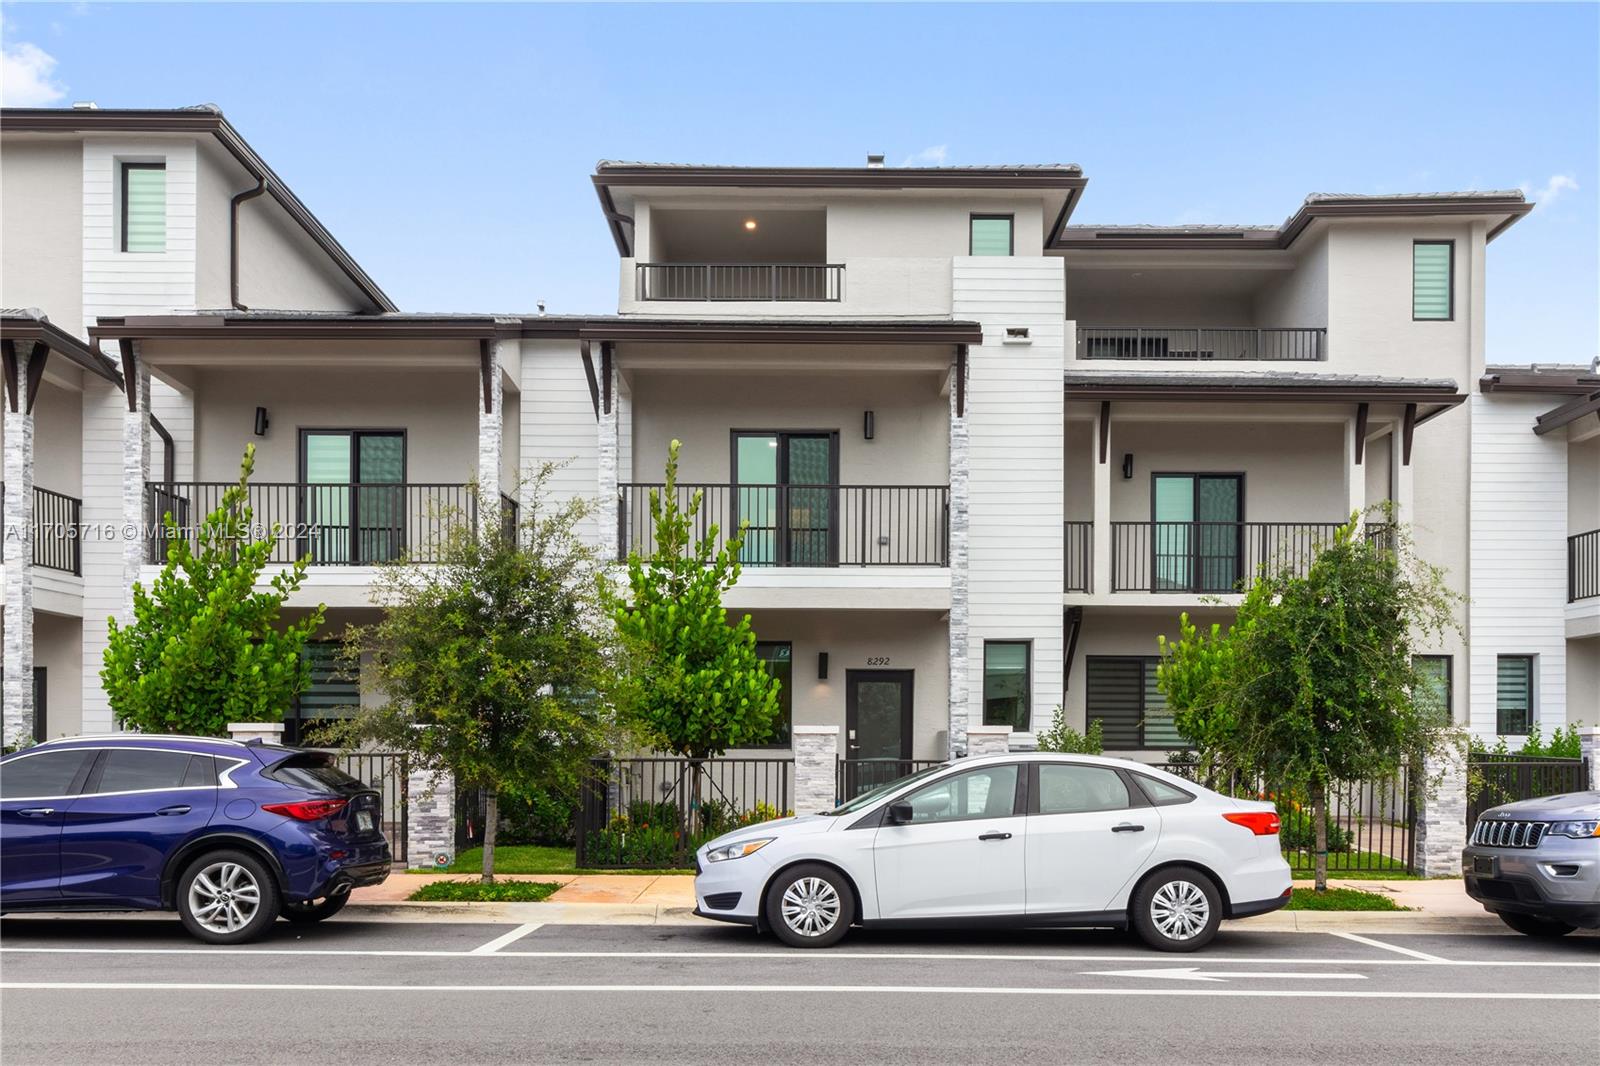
column 810, row 906
column 1176, row 909
column 227, row 897
column 1528, row 925
column 309, row 912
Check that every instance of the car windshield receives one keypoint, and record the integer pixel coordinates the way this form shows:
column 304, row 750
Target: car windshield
column 867, row 799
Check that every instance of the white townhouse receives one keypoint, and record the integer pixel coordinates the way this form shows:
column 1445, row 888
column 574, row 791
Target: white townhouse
column 985, row 454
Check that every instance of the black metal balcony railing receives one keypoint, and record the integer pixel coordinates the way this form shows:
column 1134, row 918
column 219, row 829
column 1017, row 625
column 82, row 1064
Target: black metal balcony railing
column 57, row 531
column 1583, row 565
column 1246, row 343
column 336, row 524
column 1209, row 556
column 765, row 282
column 806, row 525
column 1079, row 544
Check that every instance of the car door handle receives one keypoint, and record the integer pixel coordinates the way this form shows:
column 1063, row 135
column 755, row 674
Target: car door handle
column 993, row 835
column 1126, row 827
column 177, row 808
column 37, row 812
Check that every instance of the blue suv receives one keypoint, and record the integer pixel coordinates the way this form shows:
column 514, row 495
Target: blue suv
column 230, row 835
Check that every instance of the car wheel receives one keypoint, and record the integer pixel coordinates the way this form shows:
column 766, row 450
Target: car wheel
column 810, row 906
column 227, row 897
column 1528, row 925
column 306, row 912
column 1177, row 909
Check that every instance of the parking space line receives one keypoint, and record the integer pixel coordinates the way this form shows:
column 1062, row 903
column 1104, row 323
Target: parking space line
column 510, row 938
column 1359, row 939
column 791, row 990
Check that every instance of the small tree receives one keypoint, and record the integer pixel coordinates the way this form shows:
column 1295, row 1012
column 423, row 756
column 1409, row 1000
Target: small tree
column 1316, row 682
column 205, row 646
column 702, row 689
column 494, row 659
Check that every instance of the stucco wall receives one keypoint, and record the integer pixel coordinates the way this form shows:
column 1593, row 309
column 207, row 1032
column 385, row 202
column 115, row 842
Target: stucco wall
column 58, row 440
column 41, row 214
column 1583, row 485
column 1299, row 297
column 58, row 647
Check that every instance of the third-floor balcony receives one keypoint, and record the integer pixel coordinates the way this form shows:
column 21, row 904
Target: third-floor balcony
column 1203, row 343
column 740, row 282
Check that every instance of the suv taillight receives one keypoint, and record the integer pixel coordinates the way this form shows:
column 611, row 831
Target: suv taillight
column 307, row 810
column 1261, row 823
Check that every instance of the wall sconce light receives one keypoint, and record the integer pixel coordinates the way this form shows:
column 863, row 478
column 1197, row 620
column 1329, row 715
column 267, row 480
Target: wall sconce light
column 822, row 666
column 1127, row 466
column 868, row 425
column 261, row 422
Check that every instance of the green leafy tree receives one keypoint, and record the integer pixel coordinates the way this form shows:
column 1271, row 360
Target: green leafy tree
column 495, row 659
column 207, row 647
column 702, row 689
column 1316, row 681
column 1190, row 670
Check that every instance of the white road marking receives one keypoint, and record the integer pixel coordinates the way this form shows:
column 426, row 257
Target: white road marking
column 510, row 938
column 788, row 990
column 797, row 956
column 1424, row 956
column 1194, row 973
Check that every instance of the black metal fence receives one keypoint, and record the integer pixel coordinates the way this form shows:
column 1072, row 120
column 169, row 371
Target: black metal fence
column 1247, row 343
column 656, row 812
column 1496, row 779
column 1371, row 825
column 388, row 772
column 856, row 776
column 1079, row 559
column 806, row 525
column 1583, row 565
column 764, row 282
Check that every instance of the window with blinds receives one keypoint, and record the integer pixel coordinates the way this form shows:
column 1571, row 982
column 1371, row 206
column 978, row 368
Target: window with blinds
column 991, row 235
column 1513, row 702
column 1436, row 683
column 1121, row 692
column 1007, row 683
column 1432, row 268
column 331, row 693
column 144, row 207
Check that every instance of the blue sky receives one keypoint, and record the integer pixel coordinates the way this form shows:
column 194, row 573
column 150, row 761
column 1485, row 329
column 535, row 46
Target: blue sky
column 449, row 147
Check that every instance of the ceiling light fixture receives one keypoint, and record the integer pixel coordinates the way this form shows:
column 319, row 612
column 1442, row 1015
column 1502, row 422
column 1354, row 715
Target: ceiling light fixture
column 750, row 224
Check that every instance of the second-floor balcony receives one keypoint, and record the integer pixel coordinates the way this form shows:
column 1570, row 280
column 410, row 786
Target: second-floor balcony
column 748, row 282
column 346, row 524
column 1583, row 566
column 1204, row 343
column 57, row 531
column 798, row 525
column 1215, row 557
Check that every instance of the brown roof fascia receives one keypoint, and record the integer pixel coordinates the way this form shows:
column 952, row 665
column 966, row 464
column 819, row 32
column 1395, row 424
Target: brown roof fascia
column 60, row 120
column 1567, row 413
column 736, row 332
column 64, row 344
column 1577, row 384
column 1163, row 393
column 216, row 327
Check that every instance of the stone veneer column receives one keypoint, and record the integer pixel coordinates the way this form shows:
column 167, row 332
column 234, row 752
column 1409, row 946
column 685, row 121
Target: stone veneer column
column 988, row 740
column 1589, row 740
column 266, row 732
column 19, row 534
column 135, row 472
column 430, row 818
column 607, row 461
column 1441, row 830
column 491, row 434
column 960, row 580
column 816, row 768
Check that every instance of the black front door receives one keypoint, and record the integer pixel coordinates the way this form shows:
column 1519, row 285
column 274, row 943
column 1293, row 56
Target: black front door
column 877, row 716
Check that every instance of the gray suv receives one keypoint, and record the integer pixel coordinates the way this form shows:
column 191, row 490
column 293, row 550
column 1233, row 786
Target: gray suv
column 1536, row 863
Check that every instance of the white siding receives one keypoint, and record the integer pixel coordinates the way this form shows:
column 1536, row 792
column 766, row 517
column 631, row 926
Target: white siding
column 558, row 423
column 104, row 592
column 128, row 283
column 1015, row 413
column 1518, row 554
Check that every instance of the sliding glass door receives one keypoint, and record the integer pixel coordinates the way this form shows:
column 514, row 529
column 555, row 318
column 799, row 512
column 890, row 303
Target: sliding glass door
column 785, row 488
column 1196, row 531
column 353, row 499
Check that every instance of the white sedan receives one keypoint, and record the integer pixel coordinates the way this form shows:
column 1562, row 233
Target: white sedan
column 1022, row 839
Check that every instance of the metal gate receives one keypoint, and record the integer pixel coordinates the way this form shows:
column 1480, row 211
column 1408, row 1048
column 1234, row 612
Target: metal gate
column 1496, row 779
column 386, row 771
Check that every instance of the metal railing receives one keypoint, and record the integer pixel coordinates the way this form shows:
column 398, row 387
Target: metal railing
column 389, row 773
column 656, row 812
column 806, row 525
column 1495, row 779
column 1209, row 556
column 1583, row 565
column 57, row 531
column 1294, row 344
column 1078, row 541
column 855, row 776
column 810, row 282
column 510, row 516
column 336, row 524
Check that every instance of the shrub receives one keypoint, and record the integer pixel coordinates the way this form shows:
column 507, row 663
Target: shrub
column 1299, row 833
column 1061, row 737
column 544, row 818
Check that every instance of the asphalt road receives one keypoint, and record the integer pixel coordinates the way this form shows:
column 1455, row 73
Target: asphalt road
column 91, row 991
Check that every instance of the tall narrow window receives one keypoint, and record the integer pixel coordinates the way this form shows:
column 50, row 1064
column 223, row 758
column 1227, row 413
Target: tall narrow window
column 991, row 235
column 1007, row 681
column 1432, row 274
column 1435, row 670
column 778, row 658
column 1513, row 694
column 144, row 207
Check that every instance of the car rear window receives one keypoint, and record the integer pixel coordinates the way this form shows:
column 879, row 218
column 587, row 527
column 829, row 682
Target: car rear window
column 1160, row 793
column 316, row 772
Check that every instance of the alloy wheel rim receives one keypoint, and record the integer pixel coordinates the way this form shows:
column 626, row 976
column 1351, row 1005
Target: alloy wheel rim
column 224, row 897
column 810, row 906
column 1180, row 910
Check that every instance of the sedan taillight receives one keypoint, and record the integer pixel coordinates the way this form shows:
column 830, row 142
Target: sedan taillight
column 1261, row 823
column 307, row 810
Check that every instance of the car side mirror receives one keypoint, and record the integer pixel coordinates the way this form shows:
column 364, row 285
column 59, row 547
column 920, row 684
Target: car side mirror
column 900, row 813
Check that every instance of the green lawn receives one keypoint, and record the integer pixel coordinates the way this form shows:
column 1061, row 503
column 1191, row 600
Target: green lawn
column 1341, row 899
column 477, row 892
column 530, row 859
column 1373, row 866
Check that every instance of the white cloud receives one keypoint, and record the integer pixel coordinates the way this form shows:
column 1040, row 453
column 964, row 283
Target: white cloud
column 932, row 156
column 1543, row 198
column 25, row 76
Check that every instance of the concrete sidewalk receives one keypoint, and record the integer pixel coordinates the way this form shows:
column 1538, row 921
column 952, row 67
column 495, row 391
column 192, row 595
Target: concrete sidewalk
column 650, row 890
